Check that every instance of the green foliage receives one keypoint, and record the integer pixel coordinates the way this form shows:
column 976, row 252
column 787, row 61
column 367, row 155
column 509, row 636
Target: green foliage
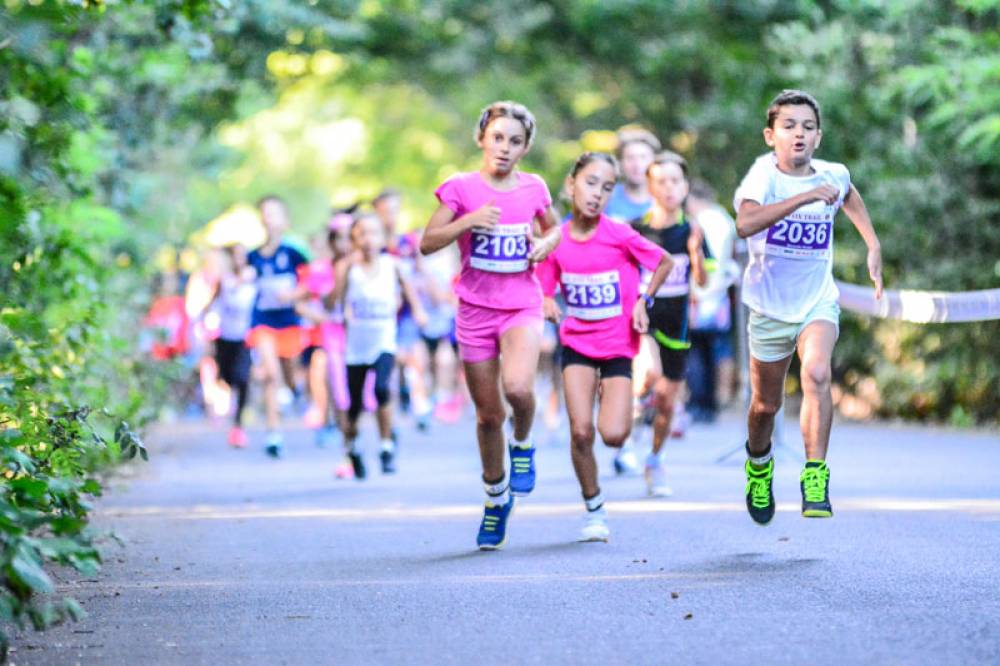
column 68, row 380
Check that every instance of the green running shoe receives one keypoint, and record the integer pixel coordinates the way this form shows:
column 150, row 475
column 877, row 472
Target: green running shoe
column 760, row 496
column 815, row 484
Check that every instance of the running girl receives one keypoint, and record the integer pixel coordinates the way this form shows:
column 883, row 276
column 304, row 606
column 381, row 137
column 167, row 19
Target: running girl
column 368, row 284
column 597, row 269
column 234, row 305
column 498, row 216
column 666, row 225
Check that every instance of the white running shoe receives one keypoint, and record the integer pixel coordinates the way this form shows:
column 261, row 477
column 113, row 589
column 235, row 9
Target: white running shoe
column 626, row 462
column 656, row 479
column 595, row 527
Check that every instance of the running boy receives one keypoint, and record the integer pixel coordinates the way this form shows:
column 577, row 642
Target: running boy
column 275, row 332
column 495, row 214
column 596, row 266
column 786, row 206
column 666, row 225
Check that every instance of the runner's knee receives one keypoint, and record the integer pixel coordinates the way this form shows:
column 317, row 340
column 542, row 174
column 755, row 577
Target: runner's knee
column 763, row 407
column 519, row 396
column 490, row 419
column 815, row 376
column 582, row 435
column 615, row 436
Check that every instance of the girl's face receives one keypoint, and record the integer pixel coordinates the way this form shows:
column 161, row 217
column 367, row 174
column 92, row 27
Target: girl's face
column 504, row 143
column 340, row 242
column 591, row 188
column 636, row 158
column 667, row 185
column 368, row 236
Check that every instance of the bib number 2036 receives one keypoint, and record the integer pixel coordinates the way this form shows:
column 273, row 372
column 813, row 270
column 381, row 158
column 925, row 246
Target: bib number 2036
column 798, row 238
column 501, row 250
column 592, row 296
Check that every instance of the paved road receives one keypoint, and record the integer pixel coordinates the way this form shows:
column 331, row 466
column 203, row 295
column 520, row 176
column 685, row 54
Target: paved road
column 231, row 558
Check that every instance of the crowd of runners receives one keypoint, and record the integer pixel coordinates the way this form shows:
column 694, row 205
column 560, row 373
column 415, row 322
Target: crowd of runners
column 609, row 299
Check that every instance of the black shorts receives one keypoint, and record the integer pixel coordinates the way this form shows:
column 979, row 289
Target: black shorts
column 668, row 324
column 434, row 343
column 606, row 367
column 233, row 358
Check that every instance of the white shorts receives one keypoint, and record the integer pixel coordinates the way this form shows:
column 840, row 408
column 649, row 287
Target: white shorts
column 773, row 340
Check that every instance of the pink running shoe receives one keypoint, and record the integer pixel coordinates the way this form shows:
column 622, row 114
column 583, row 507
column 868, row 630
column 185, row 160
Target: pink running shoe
column 237, row 438
column 313, row 418
column 344, row 470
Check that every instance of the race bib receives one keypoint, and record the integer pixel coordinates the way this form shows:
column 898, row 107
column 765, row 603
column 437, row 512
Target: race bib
column 504, row 249
column 272, row 287
column 676, row 282
column 802, row 235
column 371, row 309
column 592, row 296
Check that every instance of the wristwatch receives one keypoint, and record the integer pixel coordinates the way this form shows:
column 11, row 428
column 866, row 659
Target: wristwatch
column 649, row 300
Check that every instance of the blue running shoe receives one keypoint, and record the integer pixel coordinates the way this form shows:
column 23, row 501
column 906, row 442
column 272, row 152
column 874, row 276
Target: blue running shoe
column 493, row 529
column 522, row 470
column 274, row 444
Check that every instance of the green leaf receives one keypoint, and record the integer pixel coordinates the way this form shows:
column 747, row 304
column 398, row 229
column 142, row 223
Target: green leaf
column 27, row 570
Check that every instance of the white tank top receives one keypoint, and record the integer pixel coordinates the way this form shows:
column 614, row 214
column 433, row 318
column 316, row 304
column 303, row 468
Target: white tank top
column 371, row 303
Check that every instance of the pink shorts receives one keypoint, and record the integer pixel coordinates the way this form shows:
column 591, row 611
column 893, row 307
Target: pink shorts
column 478, row 329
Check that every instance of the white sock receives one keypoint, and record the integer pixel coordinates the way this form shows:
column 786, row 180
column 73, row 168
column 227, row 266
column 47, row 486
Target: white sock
column 595, row 503
column 526, row 444
column 498, row 493
column 388, row 445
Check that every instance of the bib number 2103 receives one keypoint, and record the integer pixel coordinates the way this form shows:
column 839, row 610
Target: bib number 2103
column 504, row 249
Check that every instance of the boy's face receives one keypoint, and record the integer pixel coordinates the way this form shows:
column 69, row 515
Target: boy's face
column 504, row 143
column 667, row 185
column 636, row 158
column 795, row 136
column 274, row 215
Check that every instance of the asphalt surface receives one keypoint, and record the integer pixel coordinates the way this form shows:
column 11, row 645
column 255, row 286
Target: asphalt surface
column 231, row 558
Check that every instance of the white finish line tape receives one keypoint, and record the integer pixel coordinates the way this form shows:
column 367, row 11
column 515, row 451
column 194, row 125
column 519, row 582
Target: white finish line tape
column 922, row 307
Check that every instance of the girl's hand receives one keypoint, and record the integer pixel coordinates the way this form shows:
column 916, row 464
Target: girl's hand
column 551, row 310
column 484, row 218
column 420, row 317
column 875, row 269
column 640, row 318
column 542, row 246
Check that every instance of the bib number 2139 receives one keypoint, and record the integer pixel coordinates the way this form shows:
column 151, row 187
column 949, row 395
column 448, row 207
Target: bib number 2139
column 592, row 296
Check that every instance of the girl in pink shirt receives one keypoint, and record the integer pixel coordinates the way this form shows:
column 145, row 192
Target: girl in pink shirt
column 503, row 222
column 597, row 269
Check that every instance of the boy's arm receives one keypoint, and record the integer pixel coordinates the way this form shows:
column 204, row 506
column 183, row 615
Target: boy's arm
column 694, row 247
column 857, row 213
column 753, row 217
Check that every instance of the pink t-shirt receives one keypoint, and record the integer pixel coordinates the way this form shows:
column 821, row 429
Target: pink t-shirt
column 495, row 269
column 599, row 279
